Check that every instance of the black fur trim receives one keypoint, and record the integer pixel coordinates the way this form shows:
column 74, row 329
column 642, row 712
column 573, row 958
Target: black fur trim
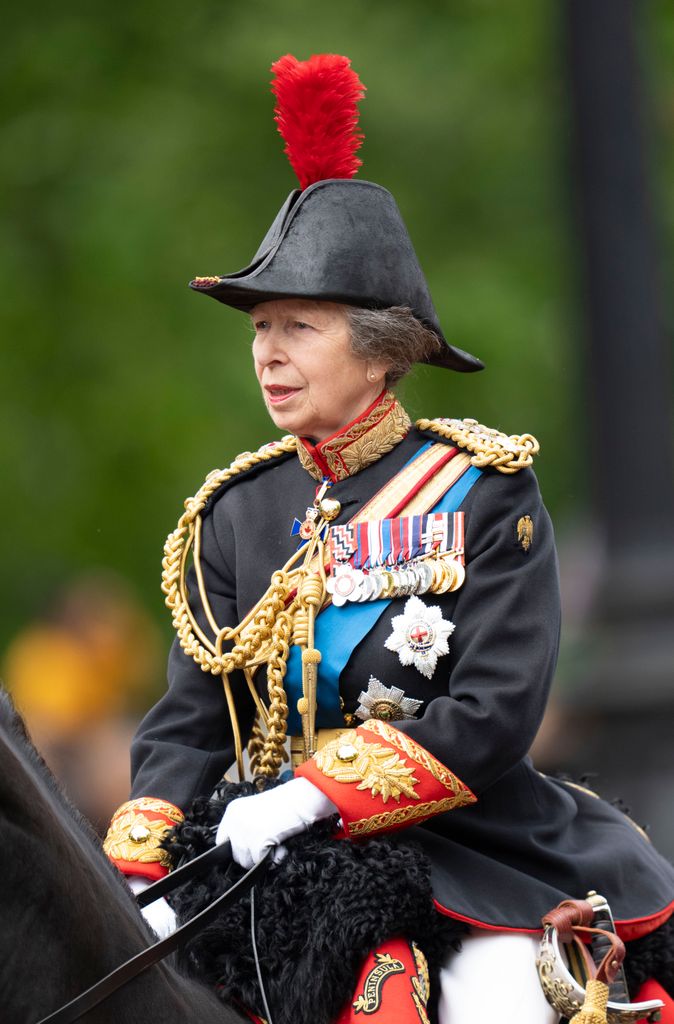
column 319, row 913
column 652, row 956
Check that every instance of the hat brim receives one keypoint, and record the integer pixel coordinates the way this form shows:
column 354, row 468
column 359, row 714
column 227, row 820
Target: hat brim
column 232, row 292
column 339, row 241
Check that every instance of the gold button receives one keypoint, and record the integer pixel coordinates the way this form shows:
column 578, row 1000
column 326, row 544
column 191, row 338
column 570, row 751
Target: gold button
column 347, row 752
column 329, row 508
column 139, row 833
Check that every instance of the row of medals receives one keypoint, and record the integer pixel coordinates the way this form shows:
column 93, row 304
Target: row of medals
column 437, row 574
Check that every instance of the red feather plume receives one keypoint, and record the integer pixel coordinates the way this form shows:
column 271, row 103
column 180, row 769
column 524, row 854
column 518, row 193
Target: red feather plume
column 317, row 115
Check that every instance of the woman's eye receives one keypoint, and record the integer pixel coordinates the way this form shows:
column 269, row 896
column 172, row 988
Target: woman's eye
column 300, row 324
column 261, row 325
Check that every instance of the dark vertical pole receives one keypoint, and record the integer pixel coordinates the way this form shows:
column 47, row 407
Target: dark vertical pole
column 625, row 694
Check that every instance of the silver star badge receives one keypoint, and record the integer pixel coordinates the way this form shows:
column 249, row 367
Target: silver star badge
column 420, row 636
column 387, row 703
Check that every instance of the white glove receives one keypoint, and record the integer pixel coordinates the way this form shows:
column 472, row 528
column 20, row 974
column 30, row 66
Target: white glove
column 253, row 824
column 161, row 919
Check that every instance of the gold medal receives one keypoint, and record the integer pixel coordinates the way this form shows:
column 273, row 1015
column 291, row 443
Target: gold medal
column 459, row 574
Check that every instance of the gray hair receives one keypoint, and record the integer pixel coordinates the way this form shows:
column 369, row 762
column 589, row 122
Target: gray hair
column 392, row 336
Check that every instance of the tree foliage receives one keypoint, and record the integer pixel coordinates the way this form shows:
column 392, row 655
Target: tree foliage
column 139, row 150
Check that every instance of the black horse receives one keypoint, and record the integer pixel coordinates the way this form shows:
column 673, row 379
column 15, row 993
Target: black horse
column 67, row 916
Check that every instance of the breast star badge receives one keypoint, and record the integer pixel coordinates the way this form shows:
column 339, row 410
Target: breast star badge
column 387, row 703
column 420, row 636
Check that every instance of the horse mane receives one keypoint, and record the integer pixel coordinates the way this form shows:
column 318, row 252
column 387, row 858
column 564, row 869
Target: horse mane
column 68, row 916
column 15, row 728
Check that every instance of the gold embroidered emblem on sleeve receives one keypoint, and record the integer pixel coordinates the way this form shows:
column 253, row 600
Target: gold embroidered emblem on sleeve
column 350, row 759
column 425, row 760
column 525, row 533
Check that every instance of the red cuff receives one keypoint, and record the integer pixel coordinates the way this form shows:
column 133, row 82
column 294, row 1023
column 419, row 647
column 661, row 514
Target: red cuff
column 136, row 830
column 652, row 990
column 153, row 872
column 381, row 780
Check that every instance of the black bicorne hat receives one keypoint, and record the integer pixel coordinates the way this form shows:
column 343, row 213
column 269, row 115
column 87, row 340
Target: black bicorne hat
column 337, row 239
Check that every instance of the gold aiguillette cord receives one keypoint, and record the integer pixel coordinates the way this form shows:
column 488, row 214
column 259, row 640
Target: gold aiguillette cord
column 311, row 595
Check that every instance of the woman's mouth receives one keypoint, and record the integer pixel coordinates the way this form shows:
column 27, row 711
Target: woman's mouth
column 278, row 393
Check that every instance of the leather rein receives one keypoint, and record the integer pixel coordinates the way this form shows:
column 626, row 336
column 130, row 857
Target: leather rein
column 95, row 995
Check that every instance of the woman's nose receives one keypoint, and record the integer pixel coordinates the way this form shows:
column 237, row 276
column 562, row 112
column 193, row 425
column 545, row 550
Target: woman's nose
column 267, row 347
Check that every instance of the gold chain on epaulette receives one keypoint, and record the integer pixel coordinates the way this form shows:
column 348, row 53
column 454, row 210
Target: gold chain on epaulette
column 489, row 447
column 265, row 628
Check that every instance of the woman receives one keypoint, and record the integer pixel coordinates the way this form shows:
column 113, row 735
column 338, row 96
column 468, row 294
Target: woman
column 411, row 625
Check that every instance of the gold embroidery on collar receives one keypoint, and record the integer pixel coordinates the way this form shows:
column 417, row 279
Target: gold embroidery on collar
column 362, row 443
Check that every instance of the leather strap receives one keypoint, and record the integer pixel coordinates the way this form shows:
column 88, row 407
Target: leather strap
column 210, row 859
column 572, row 919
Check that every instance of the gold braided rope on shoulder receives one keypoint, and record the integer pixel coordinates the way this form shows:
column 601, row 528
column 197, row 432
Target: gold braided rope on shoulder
column 176, row 550
column 489, row 447
column 267, row 625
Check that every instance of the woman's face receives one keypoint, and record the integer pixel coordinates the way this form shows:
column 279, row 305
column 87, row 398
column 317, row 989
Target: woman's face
column 311, row 381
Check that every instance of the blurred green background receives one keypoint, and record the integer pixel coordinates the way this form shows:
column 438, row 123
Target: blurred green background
column 139, row 150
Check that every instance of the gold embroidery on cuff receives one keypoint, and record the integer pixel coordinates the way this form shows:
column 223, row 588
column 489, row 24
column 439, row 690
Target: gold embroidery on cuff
column 134, row 837
column 420, row 756
column 352, row 759
column 406, row 815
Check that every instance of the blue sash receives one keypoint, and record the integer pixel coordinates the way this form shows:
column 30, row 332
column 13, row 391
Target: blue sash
column 339, row 631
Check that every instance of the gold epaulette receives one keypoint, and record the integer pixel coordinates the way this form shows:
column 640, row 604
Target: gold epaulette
column 489, row 447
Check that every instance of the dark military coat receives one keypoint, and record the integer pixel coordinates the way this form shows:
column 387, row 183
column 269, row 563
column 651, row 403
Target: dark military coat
column 528, row 841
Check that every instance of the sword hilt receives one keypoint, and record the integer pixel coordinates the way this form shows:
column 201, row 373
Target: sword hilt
column 600, row 946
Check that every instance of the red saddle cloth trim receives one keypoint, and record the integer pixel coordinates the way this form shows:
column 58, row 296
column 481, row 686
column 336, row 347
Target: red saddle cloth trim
column 628, row 931
column 651, row 990
column 152, row 871
column 390, row 989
